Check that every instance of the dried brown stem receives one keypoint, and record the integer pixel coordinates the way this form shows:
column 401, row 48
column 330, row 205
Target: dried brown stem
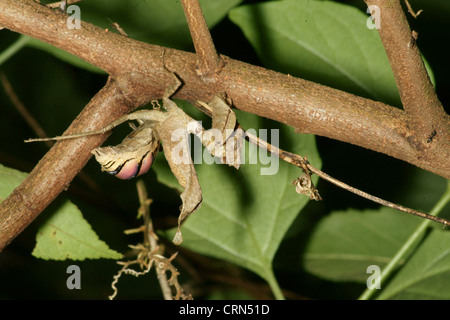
column 303, row 164
column 425, row 112
column 31, row 121
column 148, row 254
column 208, row 60
column 150, row 237
column 411, row 11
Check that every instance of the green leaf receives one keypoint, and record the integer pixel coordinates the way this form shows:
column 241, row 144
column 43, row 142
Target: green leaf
column 66, row 235
column 245, row 215
column 9, row 180
column 345, row 243
column 427, row 274
column 322, row 41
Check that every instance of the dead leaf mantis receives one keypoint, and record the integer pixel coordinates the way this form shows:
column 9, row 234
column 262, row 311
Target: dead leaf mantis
column 134, row 156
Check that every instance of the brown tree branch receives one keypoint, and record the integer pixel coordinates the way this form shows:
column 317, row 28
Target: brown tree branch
column 426, row 115
column 307, row 106
column 208, row 60
column 61, row 164
column 139, row 75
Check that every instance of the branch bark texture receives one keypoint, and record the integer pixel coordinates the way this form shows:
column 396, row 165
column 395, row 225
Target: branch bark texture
column 208, row 59
column 138, row 72
column 426, row 115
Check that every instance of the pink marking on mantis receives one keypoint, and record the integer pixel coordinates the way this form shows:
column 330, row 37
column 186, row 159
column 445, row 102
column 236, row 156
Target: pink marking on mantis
column 146, row 163
column 132, row 168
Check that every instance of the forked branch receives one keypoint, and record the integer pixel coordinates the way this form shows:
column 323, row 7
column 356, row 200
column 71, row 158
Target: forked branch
column 426, row 115
column 207, row 58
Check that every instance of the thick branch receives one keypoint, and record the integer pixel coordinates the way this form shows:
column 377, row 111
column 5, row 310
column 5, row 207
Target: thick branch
column 426, row 115
column 309, row 107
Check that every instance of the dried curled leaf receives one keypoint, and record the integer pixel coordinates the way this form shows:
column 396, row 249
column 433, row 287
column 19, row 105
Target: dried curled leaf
column 174, row 136
column 221, row 141
column 134, row 156
column 304, row 185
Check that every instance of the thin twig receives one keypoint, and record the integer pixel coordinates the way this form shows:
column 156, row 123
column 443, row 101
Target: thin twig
column 151, row 238
column 208, row 61
column 306, row 167
column 35, row 126
column 411, row 11
column 302, row 163
column 148, row 254
column 17, row 103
